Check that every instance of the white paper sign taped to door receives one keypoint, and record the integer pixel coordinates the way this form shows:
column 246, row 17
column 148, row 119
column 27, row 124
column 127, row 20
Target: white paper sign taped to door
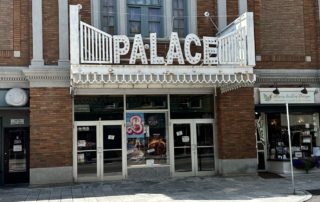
column 17, row 148
column 179, row 133
column 185, row 139
column 110, row 137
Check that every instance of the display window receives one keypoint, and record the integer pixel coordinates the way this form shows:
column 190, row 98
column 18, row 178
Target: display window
column 146, row 138
column 191, row 106
column 305, row 136
column 95, row 107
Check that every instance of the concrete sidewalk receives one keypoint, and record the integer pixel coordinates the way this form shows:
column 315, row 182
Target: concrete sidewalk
column 252, row 188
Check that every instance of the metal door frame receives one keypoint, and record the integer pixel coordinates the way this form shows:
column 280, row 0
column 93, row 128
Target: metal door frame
column 193, row 139
column 99, row 149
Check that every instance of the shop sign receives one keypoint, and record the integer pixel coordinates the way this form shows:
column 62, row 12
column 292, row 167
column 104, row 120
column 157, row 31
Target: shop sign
column 287, row 95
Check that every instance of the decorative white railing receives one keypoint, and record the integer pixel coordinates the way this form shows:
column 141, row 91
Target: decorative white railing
column 232, row 49
column 236, row 42
column 95, row 45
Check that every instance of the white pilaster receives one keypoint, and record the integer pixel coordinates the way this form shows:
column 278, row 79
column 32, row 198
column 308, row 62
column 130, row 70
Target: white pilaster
column 122, row 17
column 222, row 14
column 63, row 35
column 243, row 6
column 74, row 34
column 95, row 14
column 37, row 39
column 168, row 21
column 192, row 5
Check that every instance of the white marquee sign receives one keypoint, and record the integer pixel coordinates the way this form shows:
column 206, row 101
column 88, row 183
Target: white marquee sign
column 138, row 51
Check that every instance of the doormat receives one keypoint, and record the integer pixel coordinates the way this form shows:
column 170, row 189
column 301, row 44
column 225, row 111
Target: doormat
column 268, row 175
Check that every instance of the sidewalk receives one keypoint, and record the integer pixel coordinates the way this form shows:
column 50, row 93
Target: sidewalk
column 206, row 189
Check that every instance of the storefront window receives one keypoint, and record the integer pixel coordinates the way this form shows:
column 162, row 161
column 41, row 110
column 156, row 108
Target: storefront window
column 146, row 138
column 91, row 108
column 191, row 106
column 305, row 137
column 146, row 102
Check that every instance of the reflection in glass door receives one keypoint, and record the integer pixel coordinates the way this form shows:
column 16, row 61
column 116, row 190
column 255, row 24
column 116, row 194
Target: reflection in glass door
column 182, row 148
column 87, row 151
column 205, row 147
column 112, row 150
column 16, row 155
column 192, row 148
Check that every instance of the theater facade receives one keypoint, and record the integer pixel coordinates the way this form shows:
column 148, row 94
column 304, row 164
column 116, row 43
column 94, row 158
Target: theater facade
column 91, row 94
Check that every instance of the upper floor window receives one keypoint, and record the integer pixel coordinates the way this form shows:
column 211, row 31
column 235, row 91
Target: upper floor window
column 130, row 17
column 108, row 16
column 179, row 17
column 145, row 16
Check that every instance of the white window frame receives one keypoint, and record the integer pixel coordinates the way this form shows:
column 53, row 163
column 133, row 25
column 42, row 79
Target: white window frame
column 167, row 23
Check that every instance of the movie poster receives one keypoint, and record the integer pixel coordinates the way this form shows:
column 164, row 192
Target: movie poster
column 135, row 125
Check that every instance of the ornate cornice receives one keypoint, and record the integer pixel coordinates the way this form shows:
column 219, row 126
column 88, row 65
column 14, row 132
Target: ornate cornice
column 48, row 77
column 12, row 74
column 34, row 77
column 288, row 76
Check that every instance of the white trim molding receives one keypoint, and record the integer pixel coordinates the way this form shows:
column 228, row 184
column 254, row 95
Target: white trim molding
column 310, row 77
column 122, row 18
column 64, row 61
column 222, row 14
column 48, row 77
column 95, row 14
column 124, row 77
column 242, row 6
column 192, row 7
column 37, row 38
column 13, row 77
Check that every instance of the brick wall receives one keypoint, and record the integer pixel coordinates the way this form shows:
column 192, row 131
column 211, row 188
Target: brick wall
column 205, row 27
column 85, row 13
column 50, row 32
column 236, row 129
column 282, row 27
column 6, row 25
column 15, row 32
column 232, row 10
column 286, row 32
column 50, row 127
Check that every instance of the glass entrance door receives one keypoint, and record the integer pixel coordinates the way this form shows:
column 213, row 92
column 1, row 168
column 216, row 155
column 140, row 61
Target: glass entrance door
column 86, row 158
column 112, row 150
column 98, row 150
column 192, row 147
column 16, row 155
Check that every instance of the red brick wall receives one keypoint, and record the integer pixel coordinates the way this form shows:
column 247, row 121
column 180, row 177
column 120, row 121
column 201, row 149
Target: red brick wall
column 85, row 13
column 236, row 129
column 283, row 39
column 50, row 32
column 50, row 127
column 205, row 27
column 232, row 10
column 17, row 34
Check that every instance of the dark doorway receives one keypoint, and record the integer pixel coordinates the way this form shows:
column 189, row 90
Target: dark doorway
column 16, row 155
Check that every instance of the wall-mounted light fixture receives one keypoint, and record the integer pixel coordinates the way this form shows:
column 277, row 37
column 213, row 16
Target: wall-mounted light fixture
column 207, row 14
column 304, row 90
column 276, row 91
